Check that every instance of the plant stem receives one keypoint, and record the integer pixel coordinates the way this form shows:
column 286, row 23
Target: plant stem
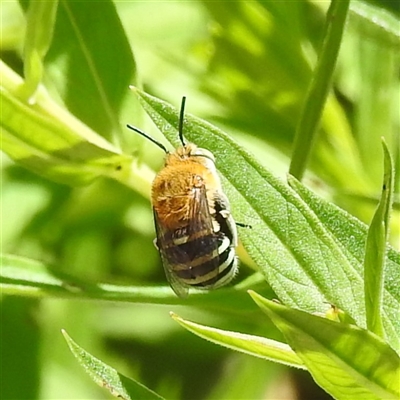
column 307, row 127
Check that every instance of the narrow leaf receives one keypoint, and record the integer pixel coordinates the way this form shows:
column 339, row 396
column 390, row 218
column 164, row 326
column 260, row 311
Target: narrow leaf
column 346, row 361
column 61, row 148
column 375, row 251
column 105, row 376
column 21, row 276
column 375, row 22
column 351, row 235
column 318, row 91
column 39, row 32
column 253, row 345
column 90, row 64
column 308, row 264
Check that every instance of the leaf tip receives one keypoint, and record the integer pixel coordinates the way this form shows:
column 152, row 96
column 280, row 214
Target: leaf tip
column 253, row 294
column 68, row 339
column 173, row 316
column 291, row 180
column 259, row 300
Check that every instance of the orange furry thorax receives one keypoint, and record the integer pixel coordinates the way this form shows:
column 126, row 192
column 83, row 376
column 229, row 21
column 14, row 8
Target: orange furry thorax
column 173, row 187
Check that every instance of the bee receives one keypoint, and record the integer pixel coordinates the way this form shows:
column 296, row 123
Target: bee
column 196, row 233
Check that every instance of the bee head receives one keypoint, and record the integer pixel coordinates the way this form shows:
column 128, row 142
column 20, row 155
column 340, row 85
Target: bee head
column 187, row 150
column 190, row 150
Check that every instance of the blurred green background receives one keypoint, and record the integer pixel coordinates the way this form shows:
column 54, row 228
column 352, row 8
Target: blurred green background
column 244, row 66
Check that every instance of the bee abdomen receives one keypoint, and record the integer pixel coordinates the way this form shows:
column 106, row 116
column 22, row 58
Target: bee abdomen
column 200, row 263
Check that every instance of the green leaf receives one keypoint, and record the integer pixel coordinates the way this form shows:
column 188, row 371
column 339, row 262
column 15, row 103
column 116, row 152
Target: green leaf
column 84, row 58
column 375, row 22
column 259, row 40
column 303, row 260
column 38, row 36
column 351, row 235
column 375, row 115
column 346, row 361
column 253, row 345
column 375, row 252
column 263, row 39
column 90, row 64
column 26, row 277
column 117, row 384
column 48, row 140
column 307, row 127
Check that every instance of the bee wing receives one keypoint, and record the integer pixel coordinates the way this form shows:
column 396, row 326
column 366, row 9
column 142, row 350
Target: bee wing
column 162, row 234
column 180, row 247
column 200, row 221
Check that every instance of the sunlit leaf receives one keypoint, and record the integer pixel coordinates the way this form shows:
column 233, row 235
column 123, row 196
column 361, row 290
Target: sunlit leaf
column 375, row 22
column 253, row 345
column 348, row 362
column 26, row 277
column 375, row 253
column 105, row 376
column 301, row 258
column 48, row 140
column 351, row 235
column 91, row 65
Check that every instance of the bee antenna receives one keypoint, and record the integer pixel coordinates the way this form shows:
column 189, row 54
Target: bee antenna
column 181, row 118
column 140, row 132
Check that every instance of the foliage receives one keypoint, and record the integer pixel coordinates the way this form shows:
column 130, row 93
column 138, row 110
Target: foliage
column 77, row 225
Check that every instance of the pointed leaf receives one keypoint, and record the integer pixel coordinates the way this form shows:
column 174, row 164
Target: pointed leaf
column 346, row 361
column 376, row 250
column 91, row 65
column 84, row 58
column 253, row 345
column 351, row 235
column 376, row 22
column 105, row 376
column 302, row 259
column 21, row 276
column 51, row 142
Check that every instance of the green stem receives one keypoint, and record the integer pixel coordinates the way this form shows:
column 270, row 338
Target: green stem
column 307, row 127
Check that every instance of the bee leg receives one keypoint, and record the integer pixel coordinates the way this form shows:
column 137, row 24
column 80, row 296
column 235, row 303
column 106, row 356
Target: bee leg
column 225, row 213
column 155, row 244
column 222, row 207
column 224, row 217
column 243, row 225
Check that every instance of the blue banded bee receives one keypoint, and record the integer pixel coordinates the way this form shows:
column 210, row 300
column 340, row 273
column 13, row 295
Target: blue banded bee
column 196, row 234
